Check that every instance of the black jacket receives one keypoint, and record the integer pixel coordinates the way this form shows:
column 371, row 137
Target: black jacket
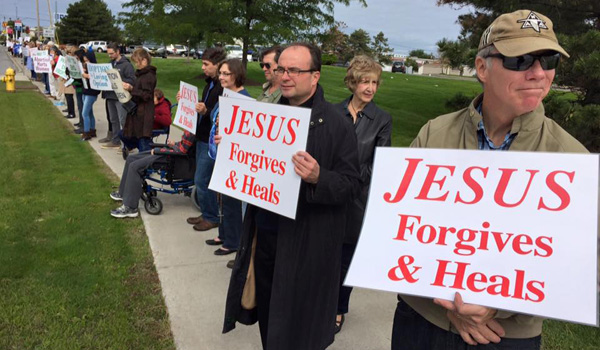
column 307, row 267
column 373, row 128
column 204, row 123
column 89, row 91
column 127, row 72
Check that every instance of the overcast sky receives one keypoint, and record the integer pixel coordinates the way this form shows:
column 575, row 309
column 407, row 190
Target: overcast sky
column 408, row 24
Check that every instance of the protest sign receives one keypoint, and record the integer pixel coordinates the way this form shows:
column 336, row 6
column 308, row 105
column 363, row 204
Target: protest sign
column 254, row 159
column 60, row 68
column 98, row 78
column 230, row 93
column 186, row 116
column 509, row 230
column 117, row 85
column 32, row 51
column 42, row 62
column 74, row 71
column 84, row 81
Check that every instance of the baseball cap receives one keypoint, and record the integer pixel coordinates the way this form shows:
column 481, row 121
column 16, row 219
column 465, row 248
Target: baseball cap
column 521, row 32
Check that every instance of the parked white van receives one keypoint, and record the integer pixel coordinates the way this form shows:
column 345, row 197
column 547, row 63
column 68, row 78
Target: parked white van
column 99, row 46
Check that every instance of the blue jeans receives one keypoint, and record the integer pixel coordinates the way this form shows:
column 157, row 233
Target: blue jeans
column 412, row 331
column 206, row 198
column 230, row 230
column 142, row 144
column 89, row 122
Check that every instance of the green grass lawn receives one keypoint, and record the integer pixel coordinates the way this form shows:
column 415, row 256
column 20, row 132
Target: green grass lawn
column 410, row 99
column 71, row 276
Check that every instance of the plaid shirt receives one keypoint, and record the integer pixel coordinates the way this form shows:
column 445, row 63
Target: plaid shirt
column 486, row 144
column 181, row 147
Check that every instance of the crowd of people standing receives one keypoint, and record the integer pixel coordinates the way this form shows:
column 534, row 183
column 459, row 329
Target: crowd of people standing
column 288, row 274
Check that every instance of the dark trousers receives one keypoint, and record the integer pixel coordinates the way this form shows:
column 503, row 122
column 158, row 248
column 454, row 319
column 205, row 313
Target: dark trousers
column 230, row 229
column 110, row 127
column 264, row 267
column 79, row 96
column 130, row 187
column 70, row 104
column 411, row 331
column 344, row 295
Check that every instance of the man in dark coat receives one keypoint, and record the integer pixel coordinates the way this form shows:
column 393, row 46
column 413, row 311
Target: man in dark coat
column 294, row 264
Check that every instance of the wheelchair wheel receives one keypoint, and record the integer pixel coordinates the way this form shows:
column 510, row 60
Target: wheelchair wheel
column 195, row 199
column 153, row 205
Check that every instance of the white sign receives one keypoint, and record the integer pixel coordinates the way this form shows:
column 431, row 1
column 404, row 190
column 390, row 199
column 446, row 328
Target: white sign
column 42, row 62
column 98, row 78
column 186, row 116
column 117, row 85
column 32, row 51
column 73, row 67
column 60, row 68
column 254, row 159
column 84, row 81
column 230, row 93
column 510, row 230
column 48, row 32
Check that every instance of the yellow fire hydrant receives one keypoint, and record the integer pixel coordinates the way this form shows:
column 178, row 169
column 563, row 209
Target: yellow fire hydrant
column 9, row 79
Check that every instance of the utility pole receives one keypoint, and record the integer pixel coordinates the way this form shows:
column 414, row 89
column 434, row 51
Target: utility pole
column 51, row 22
column 37, row 9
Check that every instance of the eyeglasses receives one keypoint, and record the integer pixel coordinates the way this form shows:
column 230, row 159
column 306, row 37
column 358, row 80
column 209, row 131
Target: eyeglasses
column 522, row 63
column 263, row 65
column 225, row 74
column 292, row 72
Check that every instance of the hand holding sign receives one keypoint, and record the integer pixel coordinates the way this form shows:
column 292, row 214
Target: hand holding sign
column 474, row 323
column 306, row 167
column 201, row 107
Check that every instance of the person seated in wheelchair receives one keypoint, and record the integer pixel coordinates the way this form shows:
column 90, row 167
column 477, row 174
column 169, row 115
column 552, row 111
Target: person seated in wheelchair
column 162, row 112
column 130, row 188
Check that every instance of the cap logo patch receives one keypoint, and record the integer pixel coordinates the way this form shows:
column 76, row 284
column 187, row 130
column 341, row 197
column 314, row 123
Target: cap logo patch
column 533, row 21
column 486, row 35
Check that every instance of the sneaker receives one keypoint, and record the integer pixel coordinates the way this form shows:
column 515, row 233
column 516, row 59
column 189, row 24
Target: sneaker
column 110, row 145
column 124, row 212
column 116, row 196
column 69, row 116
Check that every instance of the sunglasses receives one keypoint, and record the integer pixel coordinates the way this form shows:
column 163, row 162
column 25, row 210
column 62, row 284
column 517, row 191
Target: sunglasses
column 263, row 65
column 548, row 61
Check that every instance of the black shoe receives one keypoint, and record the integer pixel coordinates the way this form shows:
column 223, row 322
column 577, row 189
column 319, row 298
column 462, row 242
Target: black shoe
column 69, row 116
column 230, row 264
column 338, row 325
column 78, row 125
column 65, row 111
column 213, row 242
column 79, row 131
column 222, row 251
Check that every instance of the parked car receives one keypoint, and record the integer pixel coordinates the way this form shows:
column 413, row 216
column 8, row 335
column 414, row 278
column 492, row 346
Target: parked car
column 99, row 46
column 398, row 67
column 180, row 50
column 132, row 48
column 159, row 52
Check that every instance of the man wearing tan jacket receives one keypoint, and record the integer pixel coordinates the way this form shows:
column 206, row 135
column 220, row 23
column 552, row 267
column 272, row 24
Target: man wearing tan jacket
column 516, row 64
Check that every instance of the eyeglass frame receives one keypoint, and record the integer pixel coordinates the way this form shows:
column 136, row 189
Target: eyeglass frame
column 523, row 57
column 227, row 74
column 280, row 71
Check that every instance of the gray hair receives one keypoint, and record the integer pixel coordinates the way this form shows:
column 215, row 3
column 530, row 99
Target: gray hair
column 485, row 53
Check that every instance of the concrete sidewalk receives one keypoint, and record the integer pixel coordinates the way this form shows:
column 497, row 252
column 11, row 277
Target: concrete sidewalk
column 194, row 281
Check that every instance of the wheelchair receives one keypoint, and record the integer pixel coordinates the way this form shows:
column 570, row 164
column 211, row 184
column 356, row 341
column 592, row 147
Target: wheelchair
column 174, row 174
